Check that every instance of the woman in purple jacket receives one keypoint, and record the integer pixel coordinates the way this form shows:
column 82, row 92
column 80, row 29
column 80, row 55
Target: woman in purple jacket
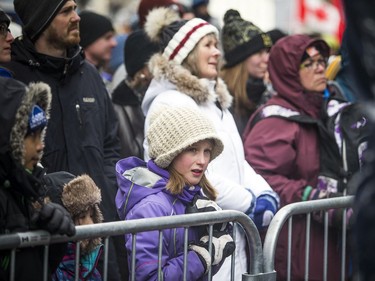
column 182, row 142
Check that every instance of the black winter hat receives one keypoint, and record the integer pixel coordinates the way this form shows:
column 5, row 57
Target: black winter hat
column 54, row 184
column 137, row 51
column 92, row 26
column 241, row 38
column 36, row 15
column 197, row 3
column 4, row 17
column 276, row 34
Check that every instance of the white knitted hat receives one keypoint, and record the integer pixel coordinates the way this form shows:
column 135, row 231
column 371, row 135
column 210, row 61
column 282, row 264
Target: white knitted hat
column 173, row 129
column 177, row 38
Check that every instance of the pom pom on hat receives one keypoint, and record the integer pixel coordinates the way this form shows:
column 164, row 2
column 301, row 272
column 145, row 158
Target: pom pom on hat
column 93, row 26
column 176, row 37
column 36, row 15
column 145, row 6
column 241, row 38
column 173, row 129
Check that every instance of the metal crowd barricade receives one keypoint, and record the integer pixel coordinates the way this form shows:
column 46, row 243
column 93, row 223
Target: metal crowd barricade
column 286, row 214
column 106, row 230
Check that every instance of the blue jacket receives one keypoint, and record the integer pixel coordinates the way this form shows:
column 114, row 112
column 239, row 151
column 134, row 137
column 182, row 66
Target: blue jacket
column 142, row 194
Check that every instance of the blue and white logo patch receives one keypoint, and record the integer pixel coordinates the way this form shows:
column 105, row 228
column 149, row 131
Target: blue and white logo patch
column 37, row 119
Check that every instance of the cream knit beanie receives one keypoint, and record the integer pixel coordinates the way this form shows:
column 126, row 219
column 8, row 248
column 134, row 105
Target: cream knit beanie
column 173, row 129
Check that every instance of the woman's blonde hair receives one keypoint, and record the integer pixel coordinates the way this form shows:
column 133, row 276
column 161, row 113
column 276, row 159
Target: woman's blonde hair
column 236, row 78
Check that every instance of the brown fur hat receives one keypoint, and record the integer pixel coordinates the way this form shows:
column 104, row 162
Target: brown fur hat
column 81, row 193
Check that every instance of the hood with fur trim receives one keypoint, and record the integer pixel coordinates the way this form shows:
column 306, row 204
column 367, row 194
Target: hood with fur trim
column 180, row 79
column 17, row 101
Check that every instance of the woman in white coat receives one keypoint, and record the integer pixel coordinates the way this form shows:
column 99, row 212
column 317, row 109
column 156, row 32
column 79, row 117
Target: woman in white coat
column 186, row 73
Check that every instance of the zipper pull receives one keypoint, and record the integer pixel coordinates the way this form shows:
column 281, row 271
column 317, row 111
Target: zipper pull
column 78, row 110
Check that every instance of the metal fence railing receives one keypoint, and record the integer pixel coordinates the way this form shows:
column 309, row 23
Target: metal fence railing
column 106, row 230
column 261, row 261
column 286, row 214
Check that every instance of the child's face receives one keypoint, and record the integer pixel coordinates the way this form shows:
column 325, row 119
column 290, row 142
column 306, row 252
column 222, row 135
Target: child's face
column 85, row 218
column 33, row 145
column 193, row 161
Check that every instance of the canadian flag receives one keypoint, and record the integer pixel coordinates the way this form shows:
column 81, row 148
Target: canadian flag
column 321, row 16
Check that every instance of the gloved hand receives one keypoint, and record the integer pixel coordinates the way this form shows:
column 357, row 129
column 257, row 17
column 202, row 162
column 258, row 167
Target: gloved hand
column 335, row 216
column 222, row 247
column 319, row 194
column 55, row 219
column 265, row 209
column 201, row 204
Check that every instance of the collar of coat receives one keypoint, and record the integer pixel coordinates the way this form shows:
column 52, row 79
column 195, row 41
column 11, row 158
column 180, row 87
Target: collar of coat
column 198, row 89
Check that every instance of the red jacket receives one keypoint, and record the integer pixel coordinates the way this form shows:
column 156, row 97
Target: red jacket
column 286, row 154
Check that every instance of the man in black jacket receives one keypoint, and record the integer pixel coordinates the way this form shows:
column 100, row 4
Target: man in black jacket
column 82, row 133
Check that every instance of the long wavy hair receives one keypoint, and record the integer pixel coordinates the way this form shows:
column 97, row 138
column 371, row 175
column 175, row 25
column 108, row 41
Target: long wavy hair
column 236, row 78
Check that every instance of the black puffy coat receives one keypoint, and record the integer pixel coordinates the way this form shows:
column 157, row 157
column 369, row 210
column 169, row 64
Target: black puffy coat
column 19, row 188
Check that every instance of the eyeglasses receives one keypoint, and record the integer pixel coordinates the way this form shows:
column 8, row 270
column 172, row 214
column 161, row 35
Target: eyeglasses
column 4, row 29
column 313, row 64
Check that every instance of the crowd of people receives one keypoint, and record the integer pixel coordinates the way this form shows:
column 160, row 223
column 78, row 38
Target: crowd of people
column 192, row 125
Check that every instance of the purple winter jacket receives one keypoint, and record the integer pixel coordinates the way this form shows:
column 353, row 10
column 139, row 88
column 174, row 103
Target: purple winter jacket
column 142, row 194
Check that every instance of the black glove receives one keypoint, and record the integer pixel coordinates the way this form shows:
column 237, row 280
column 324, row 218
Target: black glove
column 202, row 204
column 55, row 219
column 222, row 247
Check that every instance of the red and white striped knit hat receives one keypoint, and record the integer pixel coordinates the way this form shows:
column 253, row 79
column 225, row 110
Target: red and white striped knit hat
column 176, row 37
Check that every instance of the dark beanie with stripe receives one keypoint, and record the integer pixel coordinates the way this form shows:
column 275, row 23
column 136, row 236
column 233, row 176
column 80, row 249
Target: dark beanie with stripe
column 36, row 15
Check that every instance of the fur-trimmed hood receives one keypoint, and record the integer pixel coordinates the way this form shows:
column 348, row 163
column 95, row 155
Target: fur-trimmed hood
column 178, row 78
column 17, row 101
